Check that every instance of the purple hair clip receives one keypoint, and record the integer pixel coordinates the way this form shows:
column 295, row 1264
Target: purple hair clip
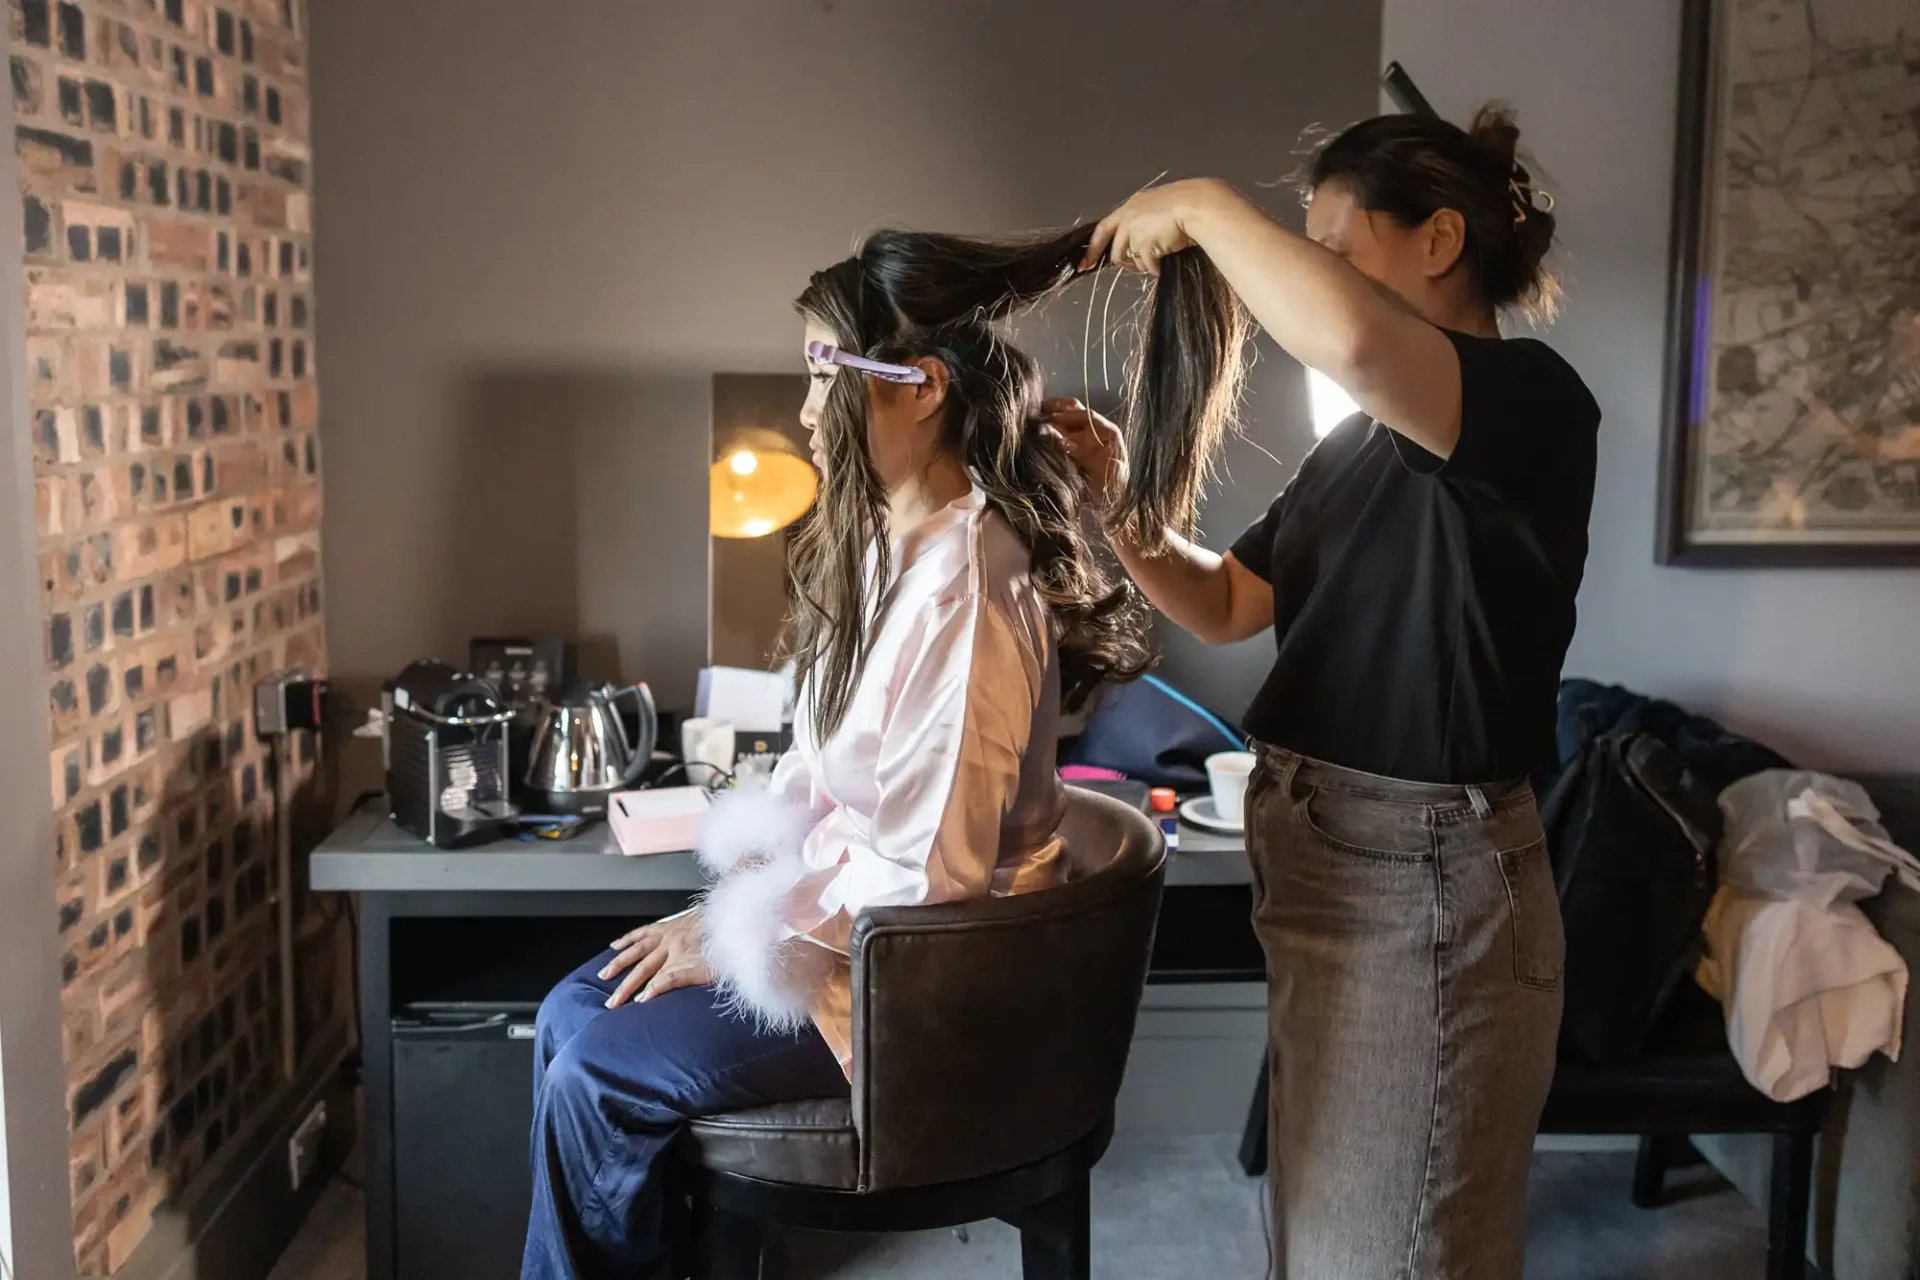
column 827, row 353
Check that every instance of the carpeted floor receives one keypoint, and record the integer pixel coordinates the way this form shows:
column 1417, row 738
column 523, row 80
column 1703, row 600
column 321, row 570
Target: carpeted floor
column 1171, row 1207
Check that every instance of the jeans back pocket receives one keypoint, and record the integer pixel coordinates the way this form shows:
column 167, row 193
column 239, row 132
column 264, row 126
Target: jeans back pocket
column 1539, row 941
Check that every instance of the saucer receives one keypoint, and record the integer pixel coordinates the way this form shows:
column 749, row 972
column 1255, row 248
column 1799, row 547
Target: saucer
column 1199, row 812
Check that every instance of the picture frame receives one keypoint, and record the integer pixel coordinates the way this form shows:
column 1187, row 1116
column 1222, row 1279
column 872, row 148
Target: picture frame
column 1791, row 414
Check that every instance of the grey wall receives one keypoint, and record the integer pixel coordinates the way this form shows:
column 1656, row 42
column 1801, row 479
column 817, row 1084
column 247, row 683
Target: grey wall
column 1821, row 663
column 542, row 235
column 36, row 1237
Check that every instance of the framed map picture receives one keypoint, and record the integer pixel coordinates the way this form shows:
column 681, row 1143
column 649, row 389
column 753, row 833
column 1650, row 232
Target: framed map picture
column 1792, row 421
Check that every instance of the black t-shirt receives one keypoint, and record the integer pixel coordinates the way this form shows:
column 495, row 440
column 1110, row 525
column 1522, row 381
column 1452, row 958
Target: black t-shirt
column 1423, row 606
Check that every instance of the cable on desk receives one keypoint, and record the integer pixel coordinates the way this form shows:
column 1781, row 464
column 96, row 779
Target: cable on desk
column 719, row 780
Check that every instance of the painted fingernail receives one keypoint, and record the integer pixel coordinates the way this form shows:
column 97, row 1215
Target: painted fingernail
column 611, row 1001
column 605, row 974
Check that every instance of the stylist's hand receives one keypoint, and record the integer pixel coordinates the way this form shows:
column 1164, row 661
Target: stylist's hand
column 1153, row 224
column 657, row 958
column 1092, row 442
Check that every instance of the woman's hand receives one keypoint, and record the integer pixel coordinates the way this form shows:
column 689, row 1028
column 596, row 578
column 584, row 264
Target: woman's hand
column 1093, row 443
column 1217, row 598
column 1154, row 223
column 657, row 958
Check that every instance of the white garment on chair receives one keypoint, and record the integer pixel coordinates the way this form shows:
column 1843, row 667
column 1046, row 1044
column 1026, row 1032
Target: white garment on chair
column 1806, row 988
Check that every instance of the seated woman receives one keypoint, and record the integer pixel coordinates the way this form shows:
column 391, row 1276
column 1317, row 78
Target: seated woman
column 948, row 607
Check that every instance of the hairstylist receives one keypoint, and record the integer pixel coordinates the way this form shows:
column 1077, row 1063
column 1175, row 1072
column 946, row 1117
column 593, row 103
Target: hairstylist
column 1419, row 575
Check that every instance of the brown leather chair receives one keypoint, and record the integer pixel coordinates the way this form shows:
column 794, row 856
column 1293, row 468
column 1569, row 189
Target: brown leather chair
column 989, row 1038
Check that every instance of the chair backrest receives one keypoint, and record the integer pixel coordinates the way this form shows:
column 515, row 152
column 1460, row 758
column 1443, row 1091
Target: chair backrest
column 991, row 1033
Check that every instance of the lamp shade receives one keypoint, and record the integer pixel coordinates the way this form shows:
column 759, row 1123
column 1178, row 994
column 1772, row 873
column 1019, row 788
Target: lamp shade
column 758, row 484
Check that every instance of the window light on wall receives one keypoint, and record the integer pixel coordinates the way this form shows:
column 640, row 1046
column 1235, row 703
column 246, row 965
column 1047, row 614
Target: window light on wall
column 1327, row 402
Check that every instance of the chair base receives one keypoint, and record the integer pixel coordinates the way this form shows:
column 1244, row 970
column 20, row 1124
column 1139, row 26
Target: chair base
column 737, row 1220
column 1253, row 1137
column 1789, row 1193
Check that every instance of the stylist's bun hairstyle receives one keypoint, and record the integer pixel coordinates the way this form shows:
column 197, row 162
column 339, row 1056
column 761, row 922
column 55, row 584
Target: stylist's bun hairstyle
column 1411, row 166
column 911, row 295
column 1186, row 382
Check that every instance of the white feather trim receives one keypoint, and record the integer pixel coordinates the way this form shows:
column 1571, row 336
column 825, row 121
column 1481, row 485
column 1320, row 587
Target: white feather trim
column 745, row 824
column 761, row 973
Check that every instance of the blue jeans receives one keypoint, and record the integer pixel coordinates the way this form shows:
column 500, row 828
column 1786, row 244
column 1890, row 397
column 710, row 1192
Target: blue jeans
column 611, row 1090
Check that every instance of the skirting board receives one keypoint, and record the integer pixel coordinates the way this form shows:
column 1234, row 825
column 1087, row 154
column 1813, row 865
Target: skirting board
column 237, row 1228
column 1586, row 1143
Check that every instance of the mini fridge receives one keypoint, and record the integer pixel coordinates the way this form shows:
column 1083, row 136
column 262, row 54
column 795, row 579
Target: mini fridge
column 466, row 991
column 462, row 1113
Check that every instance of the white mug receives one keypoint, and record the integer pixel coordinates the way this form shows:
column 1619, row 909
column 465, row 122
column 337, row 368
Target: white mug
column 704, row 740
column 1227, row 774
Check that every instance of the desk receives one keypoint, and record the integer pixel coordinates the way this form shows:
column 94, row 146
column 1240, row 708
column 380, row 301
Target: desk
column 524, row 914
column 370, row 855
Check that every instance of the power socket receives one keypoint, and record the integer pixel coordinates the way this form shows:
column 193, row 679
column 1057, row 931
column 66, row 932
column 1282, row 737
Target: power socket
column 303, row 1148
column 287, row 701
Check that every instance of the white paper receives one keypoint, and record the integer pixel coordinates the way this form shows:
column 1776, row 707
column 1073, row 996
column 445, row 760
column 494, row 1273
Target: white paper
column 753, row 700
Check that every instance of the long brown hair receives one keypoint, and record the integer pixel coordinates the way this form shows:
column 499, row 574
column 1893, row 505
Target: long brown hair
column 908, row 295
column 1183, row 396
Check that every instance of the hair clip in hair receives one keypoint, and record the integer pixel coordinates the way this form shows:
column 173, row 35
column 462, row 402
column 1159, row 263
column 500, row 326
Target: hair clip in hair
column 827, row 353
column 1524, row 194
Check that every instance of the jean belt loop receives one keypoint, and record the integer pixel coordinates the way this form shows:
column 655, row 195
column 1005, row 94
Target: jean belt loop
column 1286, row 776
column 1481, row 809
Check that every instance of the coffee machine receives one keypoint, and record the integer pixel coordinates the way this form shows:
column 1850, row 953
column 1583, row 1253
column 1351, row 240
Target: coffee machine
column 445, row 753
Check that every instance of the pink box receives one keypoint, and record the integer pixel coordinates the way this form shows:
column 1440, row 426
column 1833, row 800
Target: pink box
column 658, row 820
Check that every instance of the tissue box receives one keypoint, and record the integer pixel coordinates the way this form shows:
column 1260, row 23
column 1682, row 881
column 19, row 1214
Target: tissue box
column 658, row 820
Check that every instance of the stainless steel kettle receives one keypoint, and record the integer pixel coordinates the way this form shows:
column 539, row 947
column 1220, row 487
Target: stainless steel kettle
column 581, row 753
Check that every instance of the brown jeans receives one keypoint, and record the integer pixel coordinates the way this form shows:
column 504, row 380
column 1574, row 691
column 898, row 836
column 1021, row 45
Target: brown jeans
column 1414, row 960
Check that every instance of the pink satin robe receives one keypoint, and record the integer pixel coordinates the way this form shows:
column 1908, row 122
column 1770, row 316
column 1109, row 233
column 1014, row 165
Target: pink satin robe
column 940, row 783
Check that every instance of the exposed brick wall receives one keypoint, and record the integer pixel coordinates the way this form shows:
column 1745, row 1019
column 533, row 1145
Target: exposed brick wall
column 169, row 307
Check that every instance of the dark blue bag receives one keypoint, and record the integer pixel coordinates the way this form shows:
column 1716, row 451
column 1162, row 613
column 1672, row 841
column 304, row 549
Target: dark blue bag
column 1633, row 828
column 1149, row 730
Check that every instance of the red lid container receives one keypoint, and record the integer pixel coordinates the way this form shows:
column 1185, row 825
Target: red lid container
column 1162, row 799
